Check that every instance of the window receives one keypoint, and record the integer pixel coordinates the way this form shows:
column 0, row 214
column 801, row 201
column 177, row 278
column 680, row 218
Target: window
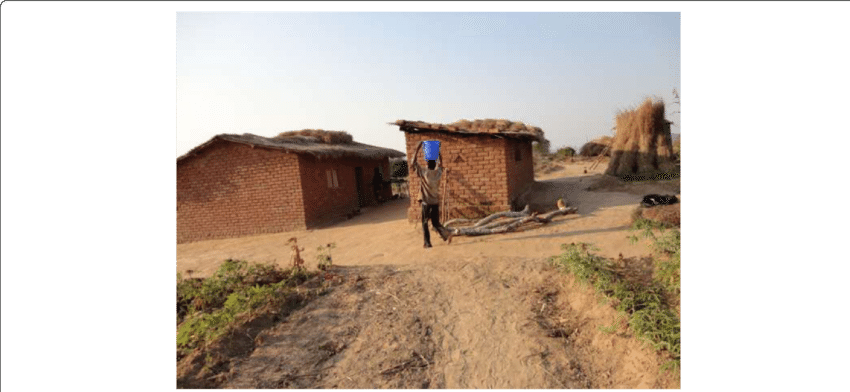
column 517, row 153
column 332, row 180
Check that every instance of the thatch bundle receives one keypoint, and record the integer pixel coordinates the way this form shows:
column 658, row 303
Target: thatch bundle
column 643, row 145
column 596, row 146
column 316, row 136
column 492, row 126
column 496, row 126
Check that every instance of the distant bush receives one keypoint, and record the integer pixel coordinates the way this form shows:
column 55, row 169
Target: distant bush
column 565, row 152
column 541, row 147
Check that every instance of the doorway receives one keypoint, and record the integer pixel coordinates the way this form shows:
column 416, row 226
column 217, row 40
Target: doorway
column 358, row 178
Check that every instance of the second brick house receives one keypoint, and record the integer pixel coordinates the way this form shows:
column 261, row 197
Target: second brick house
column 489, row 164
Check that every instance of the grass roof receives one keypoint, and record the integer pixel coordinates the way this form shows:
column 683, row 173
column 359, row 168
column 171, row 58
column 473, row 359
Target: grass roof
column 498, row 128
column 316, row 142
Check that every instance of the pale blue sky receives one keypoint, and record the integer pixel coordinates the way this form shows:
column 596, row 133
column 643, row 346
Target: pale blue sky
column 568, row 73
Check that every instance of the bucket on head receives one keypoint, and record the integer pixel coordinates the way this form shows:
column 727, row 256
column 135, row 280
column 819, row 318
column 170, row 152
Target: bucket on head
column 432, row 149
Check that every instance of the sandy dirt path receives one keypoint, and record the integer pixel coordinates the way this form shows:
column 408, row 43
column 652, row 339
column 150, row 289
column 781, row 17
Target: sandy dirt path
column 479, row 313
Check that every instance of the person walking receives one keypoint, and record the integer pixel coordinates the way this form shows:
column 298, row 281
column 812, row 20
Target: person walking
column 429, row 196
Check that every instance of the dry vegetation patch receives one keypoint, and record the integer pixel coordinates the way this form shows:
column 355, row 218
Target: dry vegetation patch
column 219, row 317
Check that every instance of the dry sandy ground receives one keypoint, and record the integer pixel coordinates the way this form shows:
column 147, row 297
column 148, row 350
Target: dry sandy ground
column 482, row 312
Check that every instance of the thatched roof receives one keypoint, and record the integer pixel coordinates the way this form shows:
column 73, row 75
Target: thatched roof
column 597, row 146
column 318, row 143
column 496, row 128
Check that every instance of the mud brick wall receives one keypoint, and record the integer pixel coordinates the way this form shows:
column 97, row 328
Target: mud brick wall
column 520, row 169
column 325, row 205
column 483, row 175
column 233, row 190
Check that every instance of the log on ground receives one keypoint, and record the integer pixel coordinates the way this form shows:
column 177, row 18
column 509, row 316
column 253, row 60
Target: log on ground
column 511, row 224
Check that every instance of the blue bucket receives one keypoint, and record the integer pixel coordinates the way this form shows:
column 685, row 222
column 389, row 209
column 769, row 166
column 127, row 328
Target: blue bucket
column 432, row 149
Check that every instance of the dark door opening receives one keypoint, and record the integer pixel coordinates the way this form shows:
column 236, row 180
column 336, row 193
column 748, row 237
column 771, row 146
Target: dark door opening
column 358, row 178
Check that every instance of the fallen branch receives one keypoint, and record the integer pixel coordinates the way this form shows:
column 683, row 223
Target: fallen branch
column 504, row 214
column 511, row 225
column 564, row 211
column 457, row 220
column 525, row 211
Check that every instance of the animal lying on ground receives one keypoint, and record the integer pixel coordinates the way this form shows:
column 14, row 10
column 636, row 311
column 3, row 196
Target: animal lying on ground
column 658, row 200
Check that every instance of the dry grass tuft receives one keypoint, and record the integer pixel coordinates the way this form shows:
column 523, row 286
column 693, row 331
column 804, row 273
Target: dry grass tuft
column 669, row 215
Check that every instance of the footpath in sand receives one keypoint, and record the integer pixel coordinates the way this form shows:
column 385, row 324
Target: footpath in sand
column 483, row 312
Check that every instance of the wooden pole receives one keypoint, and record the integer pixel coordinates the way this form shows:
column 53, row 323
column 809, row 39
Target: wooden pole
column 445, row 200
column 599, row 158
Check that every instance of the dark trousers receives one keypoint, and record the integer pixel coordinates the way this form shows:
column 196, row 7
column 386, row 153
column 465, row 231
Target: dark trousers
column 431, row 211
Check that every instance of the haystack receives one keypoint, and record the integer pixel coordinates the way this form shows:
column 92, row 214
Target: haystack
column 643, row 145
column 596, row 147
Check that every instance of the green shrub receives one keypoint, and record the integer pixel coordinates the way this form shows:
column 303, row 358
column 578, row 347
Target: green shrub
column 565, row 152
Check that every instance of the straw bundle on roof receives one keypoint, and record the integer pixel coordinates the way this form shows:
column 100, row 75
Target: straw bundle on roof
column 642, row 144
column 319, row 135
column 503, row 127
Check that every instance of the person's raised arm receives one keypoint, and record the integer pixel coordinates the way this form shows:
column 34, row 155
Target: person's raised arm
column 440, row 157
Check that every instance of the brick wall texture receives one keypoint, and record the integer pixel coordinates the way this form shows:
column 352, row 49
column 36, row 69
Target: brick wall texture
column 483, row 174
column 233, row 190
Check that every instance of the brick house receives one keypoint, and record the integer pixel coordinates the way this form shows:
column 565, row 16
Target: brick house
column 239, row 185
column 489, row 164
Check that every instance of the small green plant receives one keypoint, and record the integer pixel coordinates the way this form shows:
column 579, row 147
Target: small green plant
column 609, row 329
column 324, row 256
column 649, row 315
column 667, row 244
column 209, row 308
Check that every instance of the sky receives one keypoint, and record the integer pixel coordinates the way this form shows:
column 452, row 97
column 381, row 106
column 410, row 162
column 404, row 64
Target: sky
column 568, row 73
